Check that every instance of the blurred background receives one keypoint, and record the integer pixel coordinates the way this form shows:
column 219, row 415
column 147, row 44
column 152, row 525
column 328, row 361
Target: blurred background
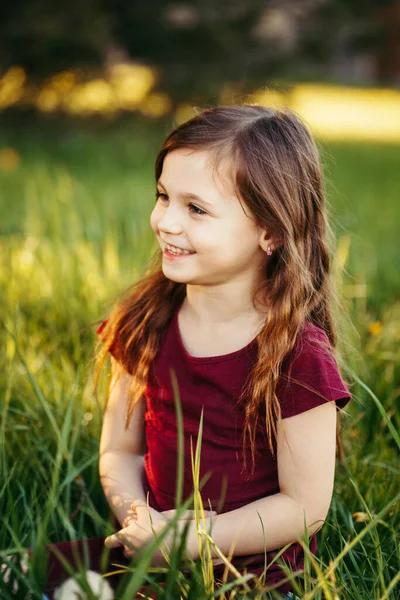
column 88, row 92
column 157, row 58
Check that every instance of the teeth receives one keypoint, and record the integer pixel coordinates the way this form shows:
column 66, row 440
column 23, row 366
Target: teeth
column 175, row 250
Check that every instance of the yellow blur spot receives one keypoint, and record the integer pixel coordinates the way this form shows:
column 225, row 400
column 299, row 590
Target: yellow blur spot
column 337, row 112
column 96, row 96
column 11, row 86
column 47, row 100
column 131, row 84
column 156, row 105
column 349, row 113
column 375, row 328
column 9, row 159
column 268, row 97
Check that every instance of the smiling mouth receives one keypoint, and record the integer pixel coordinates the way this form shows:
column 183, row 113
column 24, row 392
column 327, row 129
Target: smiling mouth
column 175, row 251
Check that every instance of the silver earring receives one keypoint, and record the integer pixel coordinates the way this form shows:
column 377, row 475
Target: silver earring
column 269, row 251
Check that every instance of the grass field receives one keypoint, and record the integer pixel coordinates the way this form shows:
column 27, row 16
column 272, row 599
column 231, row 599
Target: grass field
column 74, row 232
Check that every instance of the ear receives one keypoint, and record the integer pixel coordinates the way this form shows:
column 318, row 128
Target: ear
column 266, row 241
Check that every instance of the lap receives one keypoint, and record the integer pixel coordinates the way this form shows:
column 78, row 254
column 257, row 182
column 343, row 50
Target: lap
column 91, row 554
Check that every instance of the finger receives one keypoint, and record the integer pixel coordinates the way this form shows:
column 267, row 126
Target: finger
column 113, row 541
column 128, row 520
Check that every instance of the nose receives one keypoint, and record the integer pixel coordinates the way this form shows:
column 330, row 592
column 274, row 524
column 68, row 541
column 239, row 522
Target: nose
column 169, row 221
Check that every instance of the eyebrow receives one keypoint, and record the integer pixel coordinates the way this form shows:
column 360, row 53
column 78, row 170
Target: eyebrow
column 190, row 196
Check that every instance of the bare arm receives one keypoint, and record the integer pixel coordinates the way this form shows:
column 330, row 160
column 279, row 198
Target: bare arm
column 306, row 466
column 121, row 451
column 120, row 475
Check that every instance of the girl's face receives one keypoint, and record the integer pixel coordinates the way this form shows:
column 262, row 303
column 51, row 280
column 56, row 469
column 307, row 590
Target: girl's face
column 200, row 212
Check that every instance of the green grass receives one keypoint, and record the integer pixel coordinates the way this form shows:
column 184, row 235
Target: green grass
column 74, row 232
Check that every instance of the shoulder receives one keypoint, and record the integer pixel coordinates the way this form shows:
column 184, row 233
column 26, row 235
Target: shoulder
column 312, row 336
column 310, row 374
column 312, row 344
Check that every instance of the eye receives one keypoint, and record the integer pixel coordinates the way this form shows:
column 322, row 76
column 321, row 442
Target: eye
column 159, row 195
column 193, row 208
column 197, row 210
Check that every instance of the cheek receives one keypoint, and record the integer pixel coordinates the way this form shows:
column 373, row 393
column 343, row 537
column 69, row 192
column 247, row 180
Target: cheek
column 154, row 220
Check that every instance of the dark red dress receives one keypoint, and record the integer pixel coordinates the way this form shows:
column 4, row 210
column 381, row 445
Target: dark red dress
column 214, row 384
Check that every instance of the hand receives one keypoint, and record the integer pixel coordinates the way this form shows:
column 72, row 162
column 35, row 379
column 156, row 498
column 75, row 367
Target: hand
column 158, row 558
column 187, row 515
column 136, row 528
column 138, row 532
column 144, row 509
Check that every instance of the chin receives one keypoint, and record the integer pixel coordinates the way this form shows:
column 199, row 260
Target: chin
column 175, row 277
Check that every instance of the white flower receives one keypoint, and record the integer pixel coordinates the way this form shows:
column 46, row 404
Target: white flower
column 71, row 590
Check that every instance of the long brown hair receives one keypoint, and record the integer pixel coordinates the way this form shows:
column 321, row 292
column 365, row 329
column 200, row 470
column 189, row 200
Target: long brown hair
column 278, row 175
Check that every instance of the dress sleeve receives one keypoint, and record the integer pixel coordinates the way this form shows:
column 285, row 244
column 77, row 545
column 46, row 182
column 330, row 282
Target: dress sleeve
column 311, row 378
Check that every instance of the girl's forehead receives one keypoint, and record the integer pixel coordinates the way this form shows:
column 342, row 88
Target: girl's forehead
column 200, row 167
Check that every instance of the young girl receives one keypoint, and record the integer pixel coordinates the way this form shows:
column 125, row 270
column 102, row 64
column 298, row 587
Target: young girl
column 237, row 302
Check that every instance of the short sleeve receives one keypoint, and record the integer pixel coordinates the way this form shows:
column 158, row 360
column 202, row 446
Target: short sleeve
column 312, row 377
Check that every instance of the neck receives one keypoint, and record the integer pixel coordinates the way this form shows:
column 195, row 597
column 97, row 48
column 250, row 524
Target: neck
column 208, row 307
